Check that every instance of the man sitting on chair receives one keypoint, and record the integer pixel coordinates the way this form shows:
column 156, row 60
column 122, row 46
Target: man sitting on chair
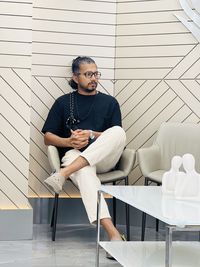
column 85, row 125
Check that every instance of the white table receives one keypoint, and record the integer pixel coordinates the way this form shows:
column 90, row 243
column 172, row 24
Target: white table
column 178, row 215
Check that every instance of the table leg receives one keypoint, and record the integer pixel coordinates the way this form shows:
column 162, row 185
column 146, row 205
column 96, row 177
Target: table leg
column 98, row 227
column 168, row 248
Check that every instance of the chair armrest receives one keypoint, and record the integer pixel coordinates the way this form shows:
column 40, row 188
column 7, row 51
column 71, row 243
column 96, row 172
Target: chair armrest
column 149, row 159
column 127, row 161
column 53, row 157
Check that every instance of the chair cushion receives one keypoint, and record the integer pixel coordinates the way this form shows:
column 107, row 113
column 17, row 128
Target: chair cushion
column 157, row 175
column 111, row 176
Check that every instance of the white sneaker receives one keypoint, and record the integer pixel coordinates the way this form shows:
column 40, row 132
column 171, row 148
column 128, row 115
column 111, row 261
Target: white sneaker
column 55, row 182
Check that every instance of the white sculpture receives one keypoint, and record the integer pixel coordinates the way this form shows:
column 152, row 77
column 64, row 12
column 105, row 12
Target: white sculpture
column 170, row 178
column 188, row 185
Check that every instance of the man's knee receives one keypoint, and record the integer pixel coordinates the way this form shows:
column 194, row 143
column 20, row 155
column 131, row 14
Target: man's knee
column 119, row 133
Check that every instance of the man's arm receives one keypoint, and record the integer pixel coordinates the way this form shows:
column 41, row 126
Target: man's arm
column 74, row 141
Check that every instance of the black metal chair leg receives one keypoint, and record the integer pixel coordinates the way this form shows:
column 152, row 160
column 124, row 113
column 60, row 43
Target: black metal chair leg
column 144, row 216
column 157, row 225
column 143, row 226
column 55, row 214
column 114, row 209
column 157, row 221
column 127, row 216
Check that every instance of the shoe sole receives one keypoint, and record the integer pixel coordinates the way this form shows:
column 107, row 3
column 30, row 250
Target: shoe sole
column 108, row 256
column 54, row 187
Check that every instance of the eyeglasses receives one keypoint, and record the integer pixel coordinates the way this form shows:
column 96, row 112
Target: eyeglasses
column 89, row 74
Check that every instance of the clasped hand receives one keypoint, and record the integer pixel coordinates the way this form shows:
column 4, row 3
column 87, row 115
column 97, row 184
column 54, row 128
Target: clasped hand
column 79, row 138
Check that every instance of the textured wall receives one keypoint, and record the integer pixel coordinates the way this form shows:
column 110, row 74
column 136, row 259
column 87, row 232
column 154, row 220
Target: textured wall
column 62, row 30
column 157, row 70
column 15, row 64
column 148, row 59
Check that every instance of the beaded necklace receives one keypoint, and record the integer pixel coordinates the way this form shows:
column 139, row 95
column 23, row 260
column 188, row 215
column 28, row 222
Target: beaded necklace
column 71, row 121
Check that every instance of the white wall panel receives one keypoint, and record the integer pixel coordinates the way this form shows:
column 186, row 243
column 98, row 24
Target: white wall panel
column 63, row 30
column 154, row 46
column 148, row 59
column 15, row 54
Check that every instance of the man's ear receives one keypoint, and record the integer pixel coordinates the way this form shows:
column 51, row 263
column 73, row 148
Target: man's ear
column 75, row 78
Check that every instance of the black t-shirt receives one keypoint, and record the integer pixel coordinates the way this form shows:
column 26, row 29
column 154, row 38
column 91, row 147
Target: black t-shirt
column 94, row 112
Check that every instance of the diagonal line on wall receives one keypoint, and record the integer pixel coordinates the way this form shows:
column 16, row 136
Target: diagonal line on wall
column 15, row 129
column 13, row 184
column 152, row 119
column 10, row 199
column 40, row 164
column 178, row 94
column 33, row 191
column 43, row 152
column 179, row 63
column 13, row 165
column 57, row 85
column 189, row 68
column 189, row 90
column 123, row 87
column 39, row 100
column 41, row 182
column 197, row 76
column 15, row 111
column 133, row 94
column 44, row 87
column 149, row 106
column 32, row 108
column 15, row 147
column 20, row 78
column 104, row 88
column 15, row 91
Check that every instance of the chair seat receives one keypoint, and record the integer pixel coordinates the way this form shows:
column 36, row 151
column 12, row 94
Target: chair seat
column 157, row 175
column 111, row 176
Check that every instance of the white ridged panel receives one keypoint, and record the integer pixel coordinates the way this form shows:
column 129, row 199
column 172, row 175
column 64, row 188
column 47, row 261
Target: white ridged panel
column 79, row 6
column 150, row 17
column 146, row 73
column 150, row 36
column 13, row 61
column 12, row 134
column 15, row 64
column 185, row 95
column 16, row 35
column 71, row 16
column 15, row 100
column 158, row 39
column 63, row 30
column 163, row 28
column 15, row 119
column 14, row 156
column 14, row 9
column 5, row 202
column 147, row 63
column 16, row 22
column 154, row 51
column 148, row 6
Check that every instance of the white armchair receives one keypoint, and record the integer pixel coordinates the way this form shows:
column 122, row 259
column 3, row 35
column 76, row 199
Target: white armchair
column 172, row 139
column 121, row 172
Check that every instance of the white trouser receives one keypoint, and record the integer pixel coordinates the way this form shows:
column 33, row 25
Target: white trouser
column 102, row 155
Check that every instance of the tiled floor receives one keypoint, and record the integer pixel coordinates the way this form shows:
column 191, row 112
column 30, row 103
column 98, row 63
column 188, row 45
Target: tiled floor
column 74, row 247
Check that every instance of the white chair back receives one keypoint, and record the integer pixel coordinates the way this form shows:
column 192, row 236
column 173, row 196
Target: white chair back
column 178, row 139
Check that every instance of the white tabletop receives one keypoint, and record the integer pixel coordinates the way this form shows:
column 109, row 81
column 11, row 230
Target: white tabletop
column 150, row 200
